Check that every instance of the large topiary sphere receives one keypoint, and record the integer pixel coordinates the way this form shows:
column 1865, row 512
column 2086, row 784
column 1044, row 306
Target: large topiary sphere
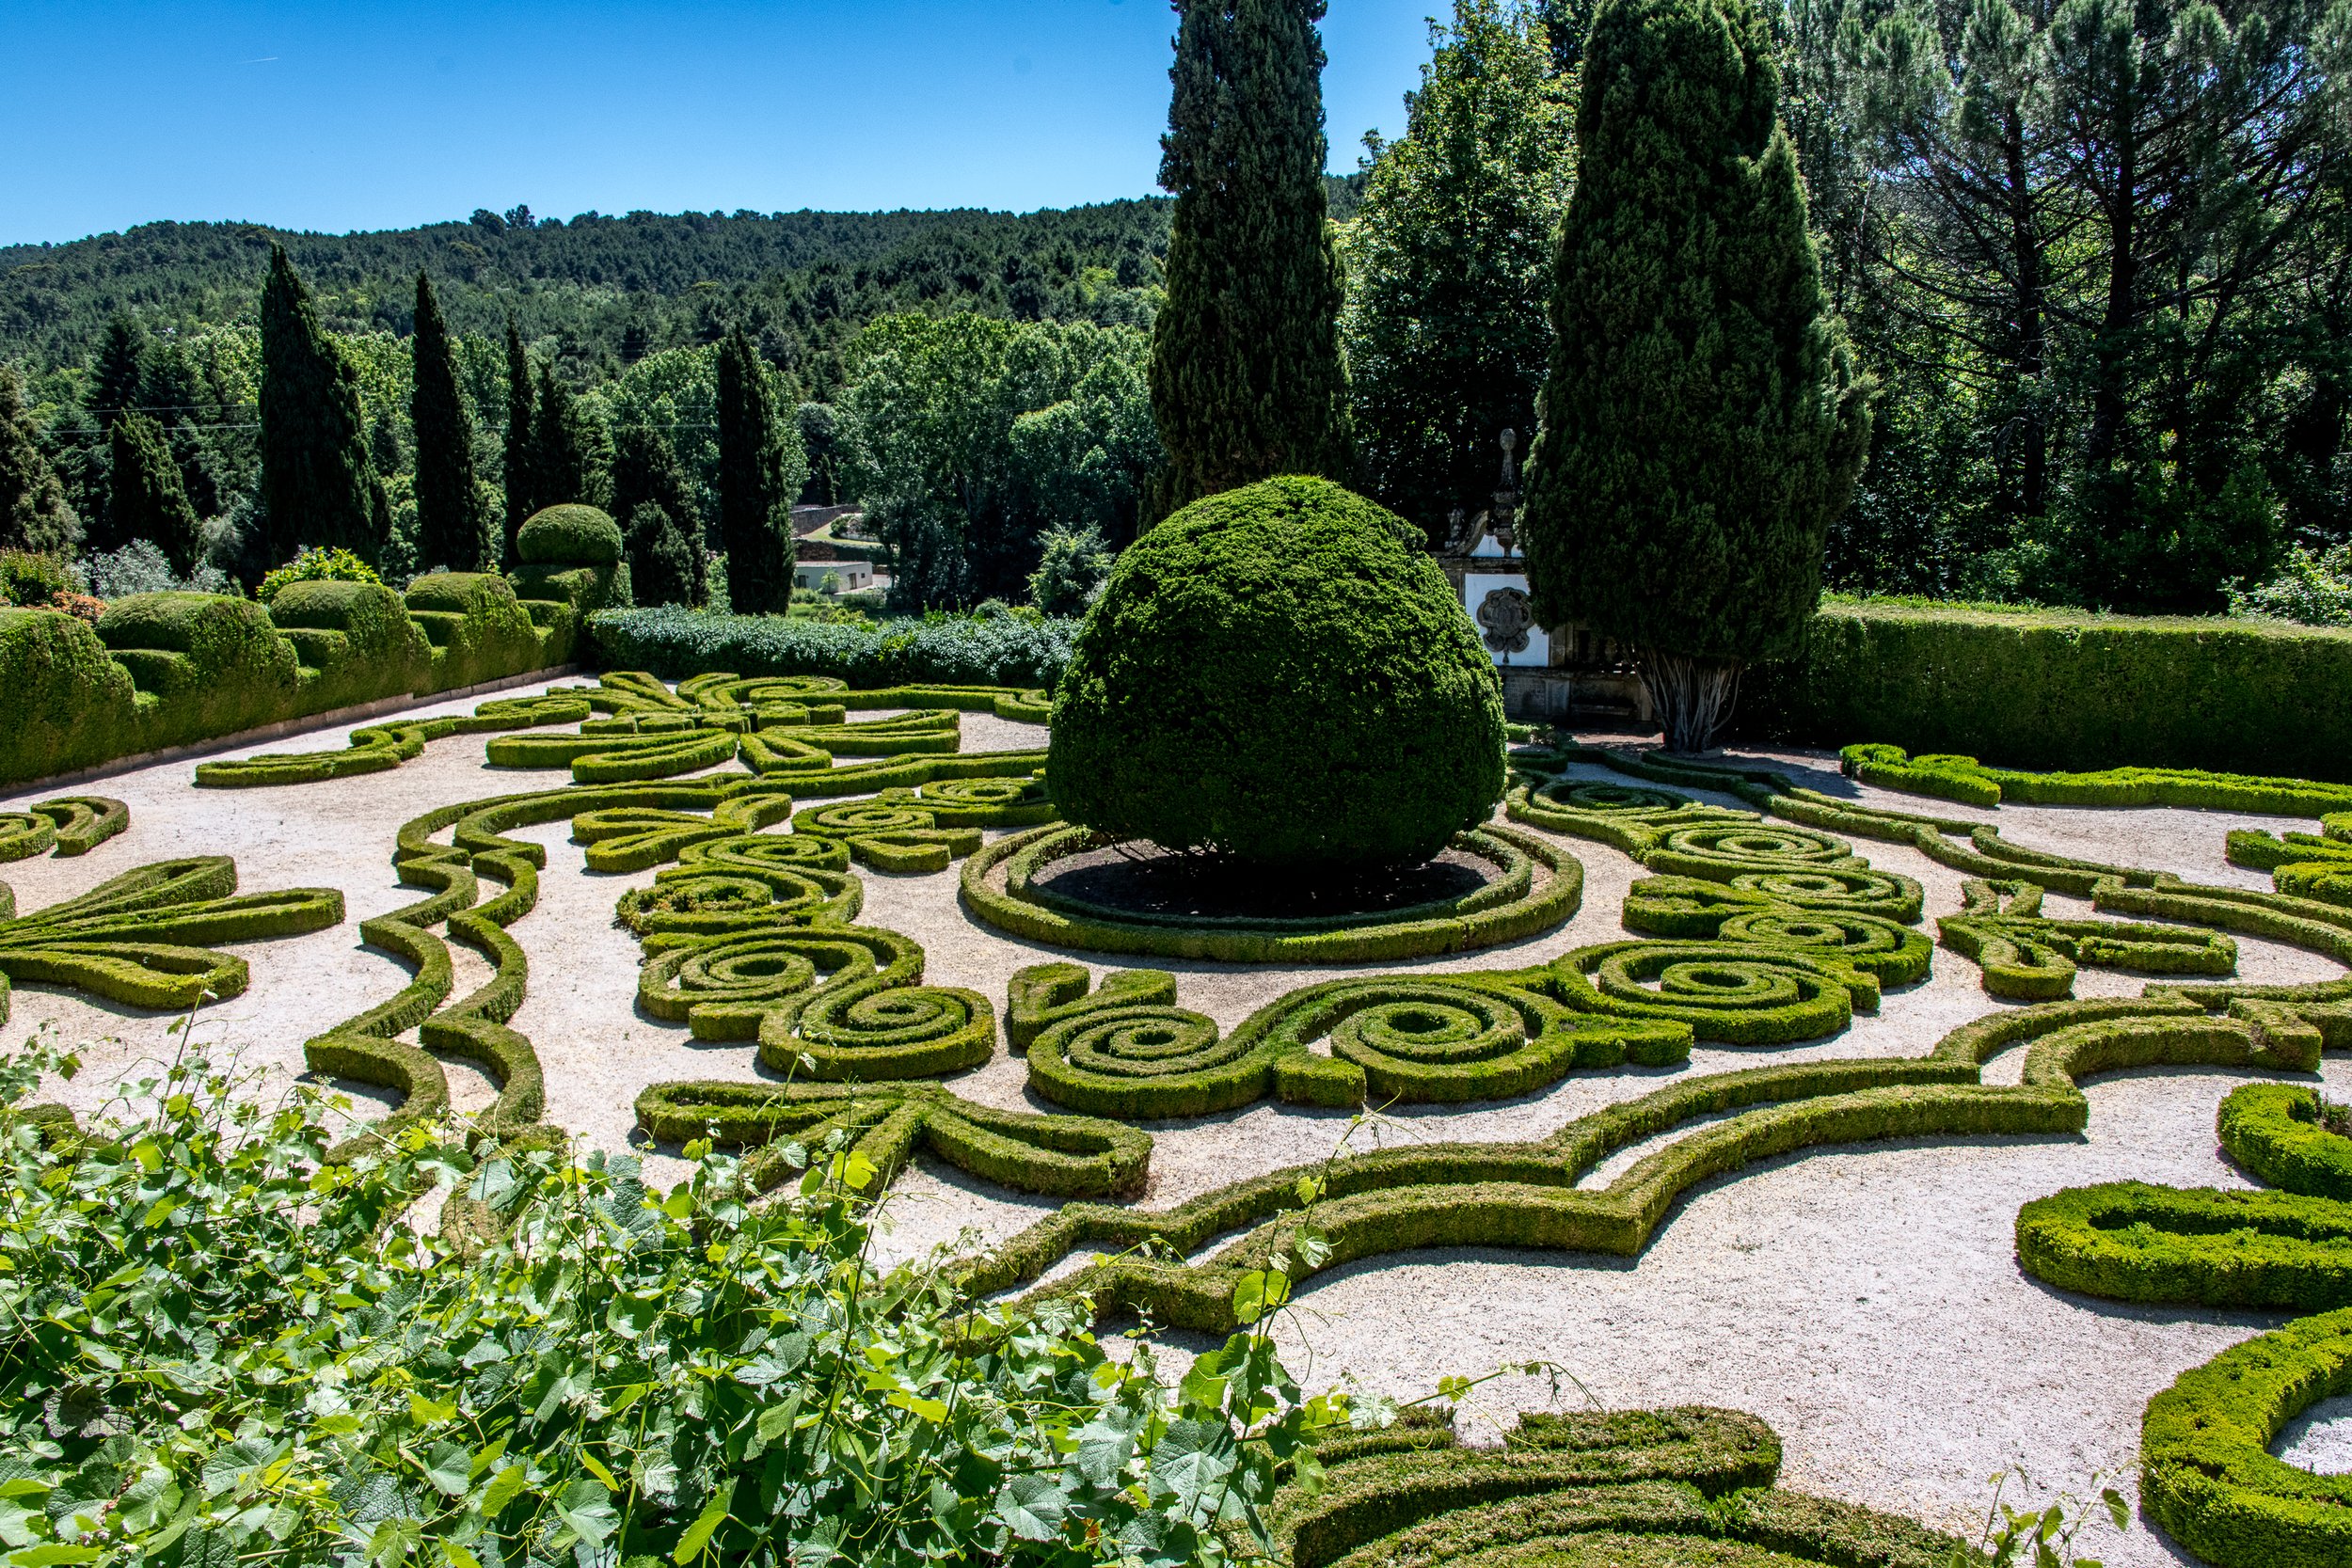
column 1273, row 674
column 569, row 535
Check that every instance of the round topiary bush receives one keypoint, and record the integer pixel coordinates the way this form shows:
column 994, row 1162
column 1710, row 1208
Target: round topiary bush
column 1273, row 674
column 569, row 535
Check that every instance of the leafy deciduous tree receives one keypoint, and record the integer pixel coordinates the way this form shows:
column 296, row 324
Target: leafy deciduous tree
column 1449, row 264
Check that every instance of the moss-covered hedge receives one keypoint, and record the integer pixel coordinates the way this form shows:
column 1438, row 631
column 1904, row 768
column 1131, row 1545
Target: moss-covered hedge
column 2066, row 690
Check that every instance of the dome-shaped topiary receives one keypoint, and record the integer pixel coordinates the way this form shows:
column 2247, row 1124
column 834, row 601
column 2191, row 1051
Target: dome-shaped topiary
column 1273, row 674
column 569, row 535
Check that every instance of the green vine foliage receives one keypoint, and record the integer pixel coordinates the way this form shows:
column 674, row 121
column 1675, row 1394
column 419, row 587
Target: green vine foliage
column 217, row 1344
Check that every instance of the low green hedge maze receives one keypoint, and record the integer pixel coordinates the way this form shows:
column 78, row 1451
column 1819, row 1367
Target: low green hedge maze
column 1537, row 888
column 2027, row 957
column 1597, row 1489
column 73, row 825
column 1057, row 1156
column 1971, row 783
column 1129, row 1051
column 2206, row 1472
column 377, row 748
column 147, row 938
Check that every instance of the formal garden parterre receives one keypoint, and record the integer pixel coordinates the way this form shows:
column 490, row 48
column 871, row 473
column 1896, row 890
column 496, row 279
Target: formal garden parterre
column 1771, row 928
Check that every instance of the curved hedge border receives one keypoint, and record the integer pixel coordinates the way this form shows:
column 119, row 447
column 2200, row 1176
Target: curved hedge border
column 2275, row 1132
column 2206, row 1472
column 145, row 938
column 1057, row 1156
column 72, row 825
column 1540, row 886
column 1971, row 783
column 1622, row 1480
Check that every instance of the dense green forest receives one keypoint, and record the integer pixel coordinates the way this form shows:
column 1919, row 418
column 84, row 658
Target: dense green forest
column 2094, row 260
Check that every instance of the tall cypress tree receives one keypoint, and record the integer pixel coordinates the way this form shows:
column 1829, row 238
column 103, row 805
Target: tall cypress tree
column 561, row 466
column 319, row 488
column 1703, row 423
column 147, row 500
column 34, row 513
column 118, row 379
column 756, row 484
column 1246, row 375
column 521, row 418
column 453, row 526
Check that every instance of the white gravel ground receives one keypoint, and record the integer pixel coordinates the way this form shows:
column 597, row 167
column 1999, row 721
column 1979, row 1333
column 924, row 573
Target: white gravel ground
column 1866, row 1302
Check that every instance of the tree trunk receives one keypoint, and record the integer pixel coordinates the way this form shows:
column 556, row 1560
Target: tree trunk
column 1692, row 697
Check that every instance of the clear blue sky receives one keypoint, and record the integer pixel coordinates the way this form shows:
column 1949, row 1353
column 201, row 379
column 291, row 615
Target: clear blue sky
column 346, row 114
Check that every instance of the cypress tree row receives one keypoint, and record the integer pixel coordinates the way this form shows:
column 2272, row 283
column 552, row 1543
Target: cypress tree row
column 1703, row 423
column 146, row 501
column 521, row 498
column 757, row 482
column 453, row 526
column 34, row 513
column 319, row 488
column 1246, row 377
column 562, row 468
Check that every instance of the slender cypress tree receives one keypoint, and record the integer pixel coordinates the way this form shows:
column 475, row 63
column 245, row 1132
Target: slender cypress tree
column 659, row 519
column 452, row 527
column 319, row 486
column 756, row 485
column 562, row 468
column 148, row 502
column 1246, row 375
column 34, row 513
column 521, row 498
column 1703, row 423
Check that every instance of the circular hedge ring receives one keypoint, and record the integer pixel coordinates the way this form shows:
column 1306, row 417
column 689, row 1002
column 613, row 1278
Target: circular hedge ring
column 1273, row 674
column 1538, row 885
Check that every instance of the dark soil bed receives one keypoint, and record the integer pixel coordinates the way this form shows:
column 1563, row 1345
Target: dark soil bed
column 1135, row 879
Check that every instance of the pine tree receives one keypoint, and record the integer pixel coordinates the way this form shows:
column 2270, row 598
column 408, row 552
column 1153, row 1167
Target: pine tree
column 646, row 474
column 33, row 514
column 1702, row 422
column 563, row 467
column 521, row 418
column 1246, row 375
column 147, row 500
column 757, row 483
column 319, row 486
column 118, row 379
column 453, row 527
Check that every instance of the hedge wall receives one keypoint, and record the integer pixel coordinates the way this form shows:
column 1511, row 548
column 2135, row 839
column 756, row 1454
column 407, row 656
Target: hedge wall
column 167, row 669
column 674, row 642
column 2066, row 690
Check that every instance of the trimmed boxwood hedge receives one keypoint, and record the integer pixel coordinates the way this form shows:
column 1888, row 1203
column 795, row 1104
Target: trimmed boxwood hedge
column 1272, row 674
column 1970, row 781
column 2063, row 689
column 1596, row 1489
column 2275, row 1132
column 1000, row 651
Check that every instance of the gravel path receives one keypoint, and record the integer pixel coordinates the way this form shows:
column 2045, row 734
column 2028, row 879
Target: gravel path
column 1866, row 1302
